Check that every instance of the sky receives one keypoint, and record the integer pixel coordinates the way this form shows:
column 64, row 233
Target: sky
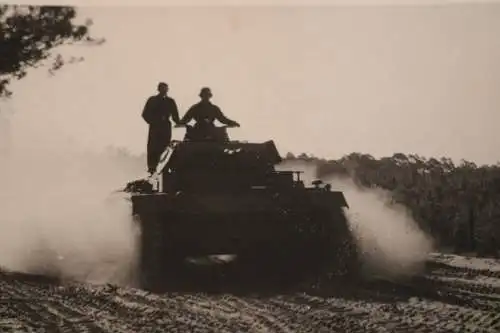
column 325, row 80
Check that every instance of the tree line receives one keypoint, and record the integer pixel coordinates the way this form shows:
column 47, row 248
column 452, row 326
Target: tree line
column 457, row 204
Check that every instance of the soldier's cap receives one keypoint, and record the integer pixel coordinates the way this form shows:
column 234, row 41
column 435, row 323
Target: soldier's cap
column 164, row 84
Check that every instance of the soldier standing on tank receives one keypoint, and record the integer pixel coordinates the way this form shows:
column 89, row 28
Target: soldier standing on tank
column 157, row 112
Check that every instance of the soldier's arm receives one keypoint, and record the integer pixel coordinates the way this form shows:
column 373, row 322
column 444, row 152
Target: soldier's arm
column 188, row 116
column 175, row 112
column 223, row 119
column 146, row 111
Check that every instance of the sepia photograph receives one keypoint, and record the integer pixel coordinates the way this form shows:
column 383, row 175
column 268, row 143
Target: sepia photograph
column 284, row 166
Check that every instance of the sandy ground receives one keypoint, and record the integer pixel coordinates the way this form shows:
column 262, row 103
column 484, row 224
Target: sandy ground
column 457, row 294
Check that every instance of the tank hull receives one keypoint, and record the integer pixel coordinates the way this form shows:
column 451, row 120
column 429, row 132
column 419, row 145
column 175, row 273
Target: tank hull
column 304, row 227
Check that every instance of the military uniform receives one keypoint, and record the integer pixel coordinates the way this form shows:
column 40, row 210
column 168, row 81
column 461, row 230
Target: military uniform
column 157, row 113
column 206, row 113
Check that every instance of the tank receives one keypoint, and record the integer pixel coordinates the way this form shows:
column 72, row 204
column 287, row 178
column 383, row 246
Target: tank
column 217, row 196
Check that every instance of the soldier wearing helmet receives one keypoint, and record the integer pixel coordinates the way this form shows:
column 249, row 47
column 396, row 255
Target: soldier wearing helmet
column 204, row 113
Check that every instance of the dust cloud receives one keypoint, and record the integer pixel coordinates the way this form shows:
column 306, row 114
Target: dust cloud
column 390, row 241
column 58, row 213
